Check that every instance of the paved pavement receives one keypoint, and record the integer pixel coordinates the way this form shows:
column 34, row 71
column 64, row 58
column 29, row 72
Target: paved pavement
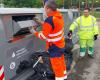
column 87, row 68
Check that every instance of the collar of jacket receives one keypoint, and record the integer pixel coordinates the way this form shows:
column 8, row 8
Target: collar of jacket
column 87, row 17
column 54, row 13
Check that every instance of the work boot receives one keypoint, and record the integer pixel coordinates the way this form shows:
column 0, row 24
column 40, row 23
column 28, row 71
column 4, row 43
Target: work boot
column 91, row 52
column 82, row 54
column 91, row 55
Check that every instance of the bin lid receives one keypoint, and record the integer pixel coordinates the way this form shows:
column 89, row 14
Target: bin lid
column 20, row 10
column 28, row 10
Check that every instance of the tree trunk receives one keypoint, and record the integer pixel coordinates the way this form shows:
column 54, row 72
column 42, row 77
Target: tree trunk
column 92, row 7
column 86, row 1
column 79, row 5
column 71, row 3
column 63, row 3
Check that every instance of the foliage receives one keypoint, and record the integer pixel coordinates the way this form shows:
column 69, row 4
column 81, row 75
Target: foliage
column 97, row 14
column 23, row 3
column 39, row 3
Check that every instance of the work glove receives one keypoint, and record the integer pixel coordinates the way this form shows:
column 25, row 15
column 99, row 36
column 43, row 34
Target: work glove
column 32, row 30
column 37, row 20
column 70, row 34
column 95, row 37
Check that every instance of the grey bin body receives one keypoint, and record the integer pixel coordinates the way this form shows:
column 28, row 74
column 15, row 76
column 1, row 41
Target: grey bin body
column 12, row 21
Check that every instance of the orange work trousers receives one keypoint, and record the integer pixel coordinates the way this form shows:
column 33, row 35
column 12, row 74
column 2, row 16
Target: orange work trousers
column 58, row 66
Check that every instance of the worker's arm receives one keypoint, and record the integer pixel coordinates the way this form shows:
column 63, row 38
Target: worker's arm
column 45, row 31
column 75, row 24
column 96, row 29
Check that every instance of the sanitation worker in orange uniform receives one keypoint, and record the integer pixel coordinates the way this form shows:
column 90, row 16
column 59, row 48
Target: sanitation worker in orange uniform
column 53, row 33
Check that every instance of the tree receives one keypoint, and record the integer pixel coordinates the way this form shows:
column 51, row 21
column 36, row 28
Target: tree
column 59, row 3
column 39, row 3
column 23, row 3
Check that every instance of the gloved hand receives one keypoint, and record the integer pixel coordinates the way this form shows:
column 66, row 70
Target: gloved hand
column 70, row 34
column 32, row 30
column 36, row 19
column 95, row 37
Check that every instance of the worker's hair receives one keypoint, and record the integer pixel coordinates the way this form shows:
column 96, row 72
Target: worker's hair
column 51, row 4
column 87, row 9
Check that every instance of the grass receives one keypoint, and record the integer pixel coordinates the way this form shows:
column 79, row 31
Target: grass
column 97, row 14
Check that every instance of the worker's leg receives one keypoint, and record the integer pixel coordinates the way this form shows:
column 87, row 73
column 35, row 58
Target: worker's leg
column 82, row 47
column 64, row 66
column 90, row 44
column 58, row 67
column 69, row 60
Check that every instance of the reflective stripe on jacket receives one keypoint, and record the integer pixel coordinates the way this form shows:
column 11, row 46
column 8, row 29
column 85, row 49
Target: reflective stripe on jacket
column 87, row 27
column 53, row 30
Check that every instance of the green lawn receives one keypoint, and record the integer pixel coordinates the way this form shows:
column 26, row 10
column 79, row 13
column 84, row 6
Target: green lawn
column 97, row 14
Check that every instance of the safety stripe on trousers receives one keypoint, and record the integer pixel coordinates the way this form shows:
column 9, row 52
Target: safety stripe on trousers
column 61, row 78
column 65, row 75
column 2, row 76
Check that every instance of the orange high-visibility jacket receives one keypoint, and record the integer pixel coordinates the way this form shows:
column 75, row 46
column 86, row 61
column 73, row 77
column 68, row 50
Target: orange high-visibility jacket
column 53, row 30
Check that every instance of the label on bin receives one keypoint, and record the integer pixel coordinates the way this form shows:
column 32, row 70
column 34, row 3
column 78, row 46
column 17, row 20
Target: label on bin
column 13, row 55
column 12, row 65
